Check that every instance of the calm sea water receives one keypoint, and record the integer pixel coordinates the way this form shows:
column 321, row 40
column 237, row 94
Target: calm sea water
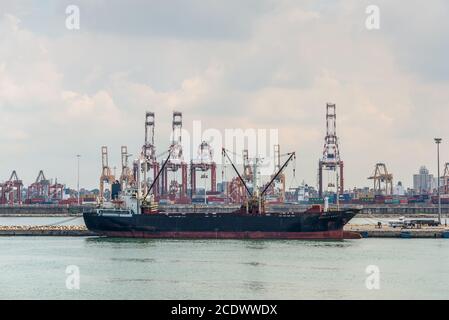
column 35, row 268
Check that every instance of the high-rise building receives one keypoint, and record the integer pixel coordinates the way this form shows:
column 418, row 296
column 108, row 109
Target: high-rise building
column 423, row 182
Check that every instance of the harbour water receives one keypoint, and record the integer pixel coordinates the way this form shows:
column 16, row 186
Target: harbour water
column 35, row 268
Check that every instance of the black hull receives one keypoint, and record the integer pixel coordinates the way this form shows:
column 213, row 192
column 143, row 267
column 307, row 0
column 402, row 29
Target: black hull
column 306, row 225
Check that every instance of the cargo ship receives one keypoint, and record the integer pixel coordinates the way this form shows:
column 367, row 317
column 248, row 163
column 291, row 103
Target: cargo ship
column 142, row 218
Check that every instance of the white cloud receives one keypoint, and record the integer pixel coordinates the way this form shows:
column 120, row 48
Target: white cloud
column 82, row 90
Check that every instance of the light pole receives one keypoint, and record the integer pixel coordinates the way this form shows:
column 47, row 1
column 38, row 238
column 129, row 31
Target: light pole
column 78, row 177
column 204, row 176
column 438, row 142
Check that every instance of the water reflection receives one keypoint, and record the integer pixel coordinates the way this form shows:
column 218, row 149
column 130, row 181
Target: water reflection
column 139, row 242
column 143, row 260
column 254, row 263
column 255, row 244
column 256, row 286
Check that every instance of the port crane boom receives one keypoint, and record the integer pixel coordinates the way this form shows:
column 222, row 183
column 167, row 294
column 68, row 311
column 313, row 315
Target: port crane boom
column 291, row 155
column 158, row 174
column 278, row 173
column 236, row 171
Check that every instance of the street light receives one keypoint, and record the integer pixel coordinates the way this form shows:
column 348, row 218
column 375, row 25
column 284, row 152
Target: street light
column 438, row 142
column 205, row 176
column 78, row 177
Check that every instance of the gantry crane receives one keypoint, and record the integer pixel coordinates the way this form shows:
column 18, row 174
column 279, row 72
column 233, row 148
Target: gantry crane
column 126, row 176
column 383, row 181
column 173, row 189
column 11, row 190
column 148, row 157
column 331, row 161
column 277, row 188
column 39, row 189
column 236, row 189
column 56, row 190
column 446, row 178
column 204, row 163
column 106, row 173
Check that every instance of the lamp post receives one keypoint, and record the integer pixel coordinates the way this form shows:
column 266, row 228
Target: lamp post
column 205, row 176
column 438, row 142
column 78, row 177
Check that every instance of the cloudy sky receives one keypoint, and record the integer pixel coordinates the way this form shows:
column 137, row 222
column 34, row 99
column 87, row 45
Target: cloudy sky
column 231, row 64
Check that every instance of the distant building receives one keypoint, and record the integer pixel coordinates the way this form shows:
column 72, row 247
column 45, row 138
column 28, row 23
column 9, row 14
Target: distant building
column 423, row 182
column 398, row 190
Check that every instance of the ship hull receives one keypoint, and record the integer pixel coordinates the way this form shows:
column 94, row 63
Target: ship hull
column 304, row 225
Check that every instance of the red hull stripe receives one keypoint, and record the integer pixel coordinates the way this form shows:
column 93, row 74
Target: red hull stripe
column 336, row 234
column 351, row 235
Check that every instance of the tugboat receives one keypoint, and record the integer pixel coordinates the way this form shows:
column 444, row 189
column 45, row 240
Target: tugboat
column 141, row 218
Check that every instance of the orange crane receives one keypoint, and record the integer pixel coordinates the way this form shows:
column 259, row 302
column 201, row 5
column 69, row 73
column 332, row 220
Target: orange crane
column 383, row 180
column 106, row 173
column 126, row 177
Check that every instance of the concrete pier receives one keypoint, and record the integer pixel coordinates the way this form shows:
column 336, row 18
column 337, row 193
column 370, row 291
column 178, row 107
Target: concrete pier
column 366, row 231
column 63, row 231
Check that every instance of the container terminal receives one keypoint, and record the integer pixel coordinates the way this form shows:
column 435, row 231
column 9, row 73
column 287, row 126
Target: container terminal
column 177, row 185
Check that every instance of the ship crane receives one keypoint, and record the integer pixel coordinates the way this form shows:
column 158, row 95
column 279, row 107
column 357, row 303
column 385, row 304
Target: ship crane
column 256, row 203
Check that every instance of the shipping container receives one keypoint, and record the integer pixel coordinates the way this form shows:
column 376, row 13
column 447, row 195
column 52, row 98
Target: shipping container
column 316, row 201
column 392, row 201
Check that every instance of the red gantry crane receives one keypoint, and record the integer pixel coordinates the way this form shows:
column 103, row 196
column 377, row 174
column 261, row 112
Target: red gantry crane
column 172, row 189
column 11, row 190
column 39, row 190
column 56, row 191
